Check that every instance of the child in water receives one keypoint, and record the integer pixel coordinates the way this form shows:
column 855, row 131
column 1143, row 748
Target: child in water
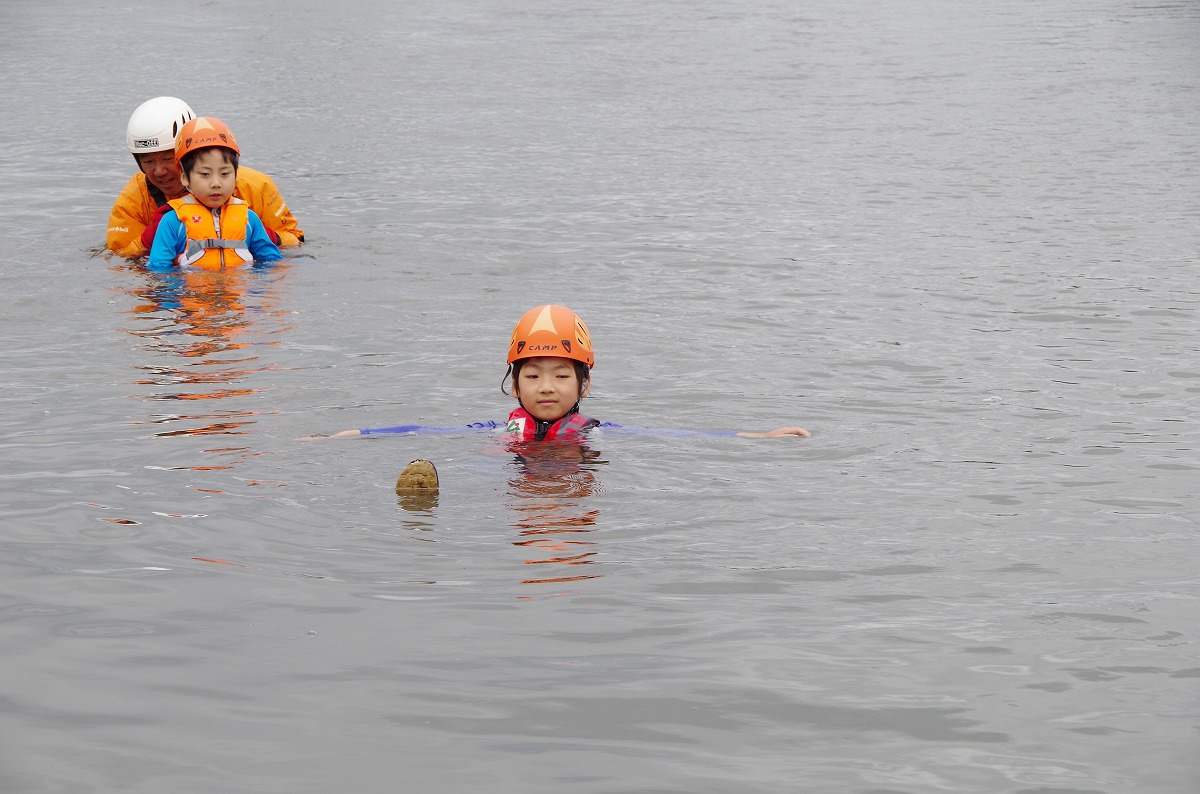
column 209, row 227
column 550, row 361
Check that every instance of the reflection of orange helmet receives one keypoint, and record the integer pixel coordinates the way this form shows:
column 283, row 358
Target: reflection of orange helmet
column 201, row 132
column 551, row 331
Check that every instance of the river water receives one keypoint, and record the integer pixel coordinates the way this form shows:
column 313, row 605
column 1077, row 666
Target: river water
column 956, row 241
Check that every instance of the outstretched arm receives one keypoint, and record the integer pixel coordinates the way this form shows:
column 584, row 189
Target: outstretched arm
column 323, row 436
column 797, row 432
column 413, row 429
column 778, row 432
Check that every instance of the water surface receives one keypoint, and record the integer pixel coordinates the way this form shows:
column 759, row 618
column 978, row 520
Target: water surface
column 957, row 243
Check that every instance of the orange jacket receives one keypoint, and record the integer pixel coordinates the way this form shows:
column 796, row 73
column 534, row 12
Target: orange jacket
column 134, row 208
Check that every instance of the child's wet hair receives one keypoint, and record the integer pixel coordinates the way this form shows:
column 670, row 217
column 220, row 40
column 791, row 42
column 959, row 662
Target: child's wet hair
column 189, row 160
column 582, row 372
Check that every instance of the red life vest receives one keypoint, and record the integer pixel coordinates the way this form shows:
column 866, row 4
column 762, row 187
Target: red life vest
column 210, row 234
column 571, row 427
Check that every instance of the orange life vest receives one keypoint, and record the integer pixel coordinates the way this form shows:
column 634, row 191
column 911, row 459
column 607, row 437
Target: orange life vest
column 216, row 240
column 571, row 427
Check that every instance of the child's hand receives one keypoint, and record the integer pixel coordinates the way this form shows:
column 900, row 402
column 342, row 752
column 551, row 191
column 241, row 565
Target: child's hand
column 320, row 437
column 777, row 433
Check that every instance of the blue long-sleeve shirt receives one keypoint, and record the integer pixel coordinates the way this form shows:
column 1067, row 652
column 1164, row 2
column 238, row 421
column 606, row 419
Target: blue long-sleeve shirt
column 170, row 240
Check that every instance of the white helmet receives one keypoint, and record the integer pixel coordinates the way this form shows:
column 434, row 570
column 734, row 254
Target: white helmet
column 155, row 123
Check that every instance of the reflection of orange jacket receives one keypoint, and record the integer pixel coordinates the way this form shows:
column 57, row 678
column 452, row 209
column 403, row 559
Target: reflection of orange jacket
column 135, row 207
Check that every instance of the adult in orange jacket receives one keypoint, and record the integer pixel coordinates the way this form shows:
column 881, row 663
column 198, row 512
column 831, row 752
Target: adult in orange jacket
column 142, row 202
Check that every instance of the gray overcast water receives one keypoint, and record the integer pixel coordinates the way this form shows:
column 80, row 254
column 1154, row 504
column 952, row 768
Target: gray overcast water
column 955, row 240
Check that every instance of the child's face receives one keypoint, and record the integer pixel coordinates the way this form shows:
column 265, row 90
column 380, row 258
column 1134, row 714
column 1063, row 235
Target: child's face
column 211, row 179
column 547, row 387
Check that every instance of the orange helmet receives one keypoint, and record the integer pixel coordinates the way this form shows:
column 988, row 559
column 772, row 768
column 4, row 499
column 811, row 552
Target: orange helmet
column 551, row 331
column 201, row 132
